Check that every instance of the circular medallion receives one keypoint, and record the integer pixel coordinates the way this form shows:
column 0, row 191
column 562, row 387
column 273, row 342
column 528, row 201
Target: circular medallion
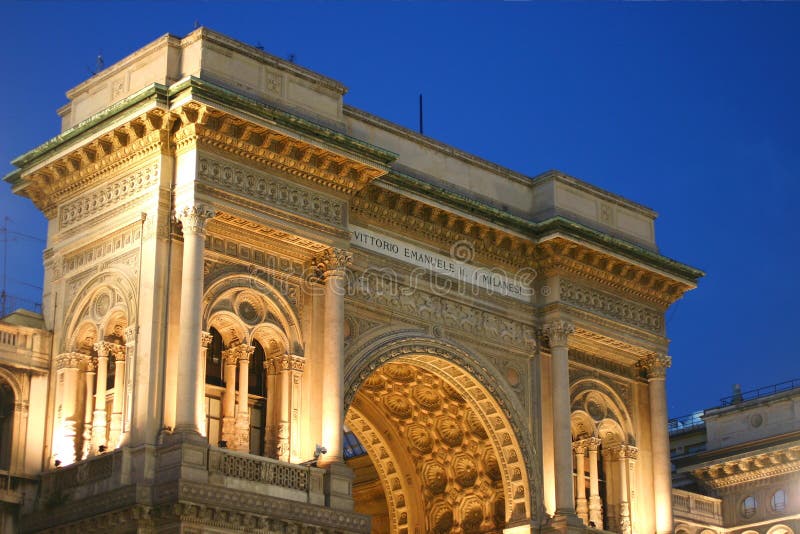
column 474, row 424
column 397, row 405
column 435, row 478
column 465, row 471
column 399, row 371
column 427, row 397
column 420, row 438
column 450, row 431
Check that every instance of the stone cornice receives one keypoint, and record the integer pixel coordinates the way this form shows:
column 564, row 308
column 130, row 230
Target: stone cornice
column 63, row 177
column 751, row 468
column 539, row 229
column 208, row 91
column 529, row 244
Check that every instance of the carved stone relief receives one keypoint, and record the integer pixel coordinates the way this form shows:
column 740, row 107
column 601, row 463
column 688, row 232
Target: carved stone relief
column 454, row 315
column 273, row 191
column 108, row 196
column 612, row 307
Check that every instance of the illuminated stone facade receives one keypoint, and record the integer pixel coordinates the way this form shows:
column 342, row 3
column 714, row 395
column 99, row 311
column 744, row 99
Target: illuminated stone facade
column 238, row 265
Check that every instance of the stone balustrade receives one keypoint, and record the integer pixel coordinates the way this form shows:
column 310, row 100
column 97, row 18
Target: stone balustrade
column 695, row 507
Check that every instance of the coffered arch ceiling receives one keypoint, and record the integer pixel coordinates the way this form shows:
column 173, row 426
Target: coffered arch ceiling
column 445, row 454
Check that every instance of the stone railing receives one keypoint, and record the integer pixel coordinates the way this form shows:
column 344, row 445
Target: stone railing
column 696, row 507
column 265, row 475
column 80, row 479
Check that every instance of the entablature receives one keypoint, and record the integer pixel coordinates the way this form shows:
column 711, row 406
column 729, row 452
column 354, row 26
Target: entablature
column 270, row 146
column 79, row 165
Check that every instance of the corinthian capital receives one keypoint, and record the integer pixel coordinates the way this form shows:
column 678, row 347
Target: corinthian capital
column 655, row 365
column 558, row 332
column 193, row 218
column 333, row 262
column 69, row 360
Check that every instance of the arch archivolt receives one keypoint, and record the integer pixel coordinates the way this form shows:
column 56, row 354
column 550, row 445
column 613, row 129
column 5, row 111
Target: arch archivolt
column 597, row 411
column 104, row 302
column 244, row 308
column 460, row 422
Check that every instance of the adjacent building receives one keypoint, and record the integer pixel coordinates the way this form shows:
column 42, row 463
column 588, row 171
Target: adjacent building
column 737, row 467
column 246, row 278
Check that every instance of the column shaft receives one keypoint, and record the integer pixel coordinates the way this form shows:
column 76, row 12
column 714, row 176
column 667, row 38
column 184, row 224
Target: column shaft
column 115, row 428
column 99, row 424
column 229, row 399
column 557, row 332
column 286, row 397
column 88, row 408
column 656, row 366
column 581, row 506
column 193, row 219
column 595, row 504
column 333, row 359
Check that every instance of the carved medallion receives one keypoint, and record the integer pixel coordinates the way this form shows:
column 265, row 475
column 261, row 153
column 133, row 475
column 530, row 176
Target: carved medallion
column 450, row 431
column 399, row 371
column 398, row 405
column 474, row 424
column 435, row 477
column 427, row 397
column 420, row 438
column 465, row 470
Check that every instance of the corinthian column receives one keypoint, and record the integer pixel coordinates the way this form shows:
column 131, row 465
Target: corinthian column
column 656, row 366
column 229, row 358
column 242, row 441
column 558, row 333
column 595, row 504
column 334, row 264
column 581, row 506
column 64, row 442
column 193, row 219
column 200, row 417
column 91, row 367
column 115, row 426
column 103, row 349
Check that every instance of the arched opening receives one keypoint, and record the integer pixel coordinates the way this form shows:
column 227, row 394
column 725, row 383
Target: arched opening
column 432, row 451
column 6, row 424
column 253, row 369
column 603, row 456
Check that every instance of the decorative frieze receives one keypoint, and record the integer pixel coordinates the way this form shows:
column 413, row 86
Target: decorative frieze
column 109, row 196
column 449, row 313
column 611, row 307
column 273, row 191
column 115, row 244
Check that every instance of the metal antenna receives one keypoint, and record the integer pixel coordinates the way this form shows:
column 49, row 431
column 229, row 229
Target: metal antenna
column 420, row 113
column 4, row 230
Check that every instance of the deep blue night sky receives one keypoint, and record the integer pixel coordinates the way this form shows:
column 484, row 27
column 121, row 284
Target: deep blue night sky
column 692, row 109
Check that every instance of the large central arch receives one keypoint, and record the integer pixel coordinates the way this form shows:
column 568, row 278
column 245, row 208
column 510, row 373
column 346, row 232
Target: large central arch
column 442, row 434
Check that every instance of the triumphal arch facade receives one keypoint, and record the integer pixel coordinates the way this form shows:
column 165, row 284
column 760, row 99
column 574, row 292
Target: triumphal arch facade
column 272, row 312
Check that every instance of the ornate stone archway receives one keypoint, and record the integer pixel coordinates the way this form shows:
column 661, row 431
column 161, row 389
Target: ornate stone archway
column 438, row 429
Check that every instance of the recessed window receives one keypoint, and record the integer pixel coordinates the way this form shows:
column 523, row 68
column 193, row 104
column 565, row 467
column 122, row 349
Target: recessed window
column 749, row 506
column 778, row 501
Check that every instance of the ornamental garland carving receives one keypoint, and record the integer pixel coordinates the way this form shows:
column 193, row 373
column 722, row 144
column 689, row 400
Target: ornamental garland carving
column 108, row 196
column 449, row 313
column 273, row 191
column 612, row 307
